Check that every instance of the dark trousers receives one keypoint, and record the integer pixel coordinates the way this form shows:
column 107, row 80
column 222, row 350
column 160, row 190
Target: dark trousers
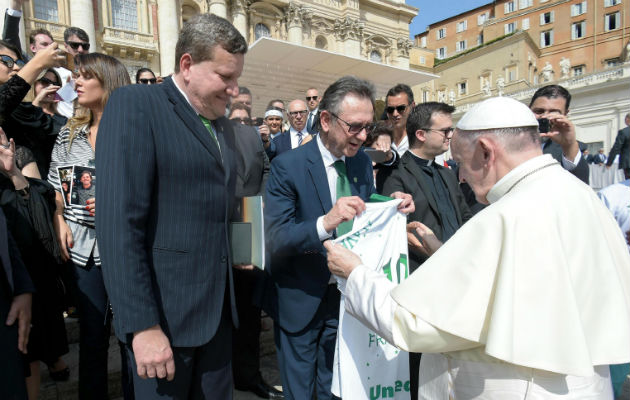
column 12, row 377
column 203, row 372
column 246, row 339
column 94, row 335
column 306, row 358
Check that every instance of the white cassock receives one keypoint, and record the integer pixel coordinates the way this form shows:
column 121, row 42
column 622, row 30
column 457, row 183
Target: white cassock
column 529, row 299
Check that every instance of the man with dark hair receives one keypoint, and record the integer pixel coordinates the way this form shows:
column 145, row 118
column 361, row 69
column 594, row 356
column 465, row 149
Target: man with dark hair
column 313, row 194
column 398, row 105
column 164, row 222
column 552, row 102
column 312, row 102
column 244, row 96
column 440, row 204
column 622, row 147
column 76, row 40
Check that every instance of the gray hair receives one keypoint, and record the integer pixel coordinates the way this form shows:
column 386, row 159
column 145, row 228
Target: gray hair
column 512, row 139
column 337, row 92
column 202, row 33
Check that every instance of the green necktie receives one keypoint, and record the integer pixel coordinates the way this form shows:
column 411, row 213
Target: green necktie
column 208, row 125
column 343, row 190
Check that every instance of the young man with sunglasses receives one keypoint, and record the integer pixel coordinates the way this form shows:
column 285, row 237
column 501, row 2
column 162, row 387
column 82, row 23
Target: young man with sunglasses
column 440, row 203
column 399, row 102
column 312, row 102
column 76, row 40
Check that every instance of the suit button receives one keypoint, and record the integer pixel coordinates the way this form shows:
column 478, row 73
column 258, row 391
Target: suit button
column 223, row 259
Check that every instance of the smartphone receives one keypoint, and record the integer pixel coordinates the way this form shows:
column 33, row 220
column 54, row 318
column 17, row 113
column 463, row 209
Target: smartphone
column 544, row 125
column 258, row 121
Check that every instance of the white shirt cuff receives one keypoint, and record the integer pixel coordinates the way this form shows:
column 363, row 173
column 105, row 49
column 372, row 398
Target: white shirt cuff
column 321, row 232
column 14, row 13
column 570, row 165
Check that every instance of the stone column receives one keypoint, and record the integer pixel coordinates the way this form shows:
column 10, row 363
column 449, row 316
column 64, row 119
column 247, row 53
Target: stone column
column 349, row 34
column 239, row 17
column 298, row 17
column 82, row 16
column 403, row 45
column 168, row 30
column 219, row 8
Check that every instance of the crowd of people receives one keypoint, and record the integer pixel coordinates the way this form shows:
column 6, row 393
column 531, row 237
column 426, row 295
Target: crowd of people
column 511, row 303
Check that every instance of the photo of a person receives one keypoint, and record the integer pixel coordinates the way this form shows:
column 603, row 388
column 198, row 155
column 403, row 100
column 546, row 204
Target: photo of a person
column 65, row 180
column 83, row 185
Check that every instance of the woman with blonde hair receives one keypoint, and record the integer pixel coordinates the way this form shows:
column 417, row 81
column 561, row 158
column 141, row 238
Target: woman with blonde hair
column 99, row 76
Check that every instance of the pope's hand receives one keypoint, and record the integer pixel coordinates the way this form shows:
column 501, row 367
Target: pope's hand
column 341, row 261
column 429, row 243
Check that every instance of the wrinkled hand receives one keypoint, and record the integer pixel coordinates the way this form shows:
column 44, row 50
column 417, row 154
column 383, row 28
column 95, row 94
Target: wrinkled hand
column 243, row 267
column 7, row 155
column 64, row 236
column 153, row 354
column 562, row 131
column 407, row 205
column 345, row 209
column 428, row 243
column 51, row 89
column 21, row 311
column 341, row 261
column 91, row 206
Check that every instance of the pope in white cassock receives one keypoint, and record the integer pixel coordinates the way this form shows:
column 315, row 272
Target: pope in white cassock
column 530, row 299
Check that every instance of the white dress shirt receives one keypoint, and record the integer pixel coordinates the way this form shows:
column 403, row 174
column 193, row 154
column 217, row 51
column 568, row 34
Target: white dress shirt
column 294, row 136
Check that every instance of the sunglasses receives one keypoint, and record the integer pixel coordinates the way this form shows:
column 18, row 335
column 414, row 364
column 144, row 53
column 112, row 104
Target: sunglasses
column 295, row 113
column 76, row 45
column 309, row 98
column 445, row 131
column 9, row 62
column 47, row 82
column 147, row 81
column 244, row 121
column 401, row 109
column 354, row 129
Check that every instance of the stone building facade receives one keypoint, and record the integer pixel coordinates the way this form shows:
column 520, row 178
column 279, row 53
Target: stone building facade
column 143, row 33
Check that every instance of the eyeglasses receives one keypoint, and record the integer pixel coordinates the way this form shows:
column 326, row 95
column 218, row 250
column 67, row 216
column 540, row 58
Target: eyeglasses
column 295, row 113
column 9, row 62
column 147, row 81
column 76, row 45
column 445, row 131
column 309, row 98
column 354, row 129
column 244, row 121
column 401, row 109
column 47, row 82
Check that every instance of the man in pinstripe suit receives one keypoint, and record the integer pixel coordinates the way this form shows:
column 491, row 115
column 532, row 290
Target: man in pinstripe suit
column 163, row 221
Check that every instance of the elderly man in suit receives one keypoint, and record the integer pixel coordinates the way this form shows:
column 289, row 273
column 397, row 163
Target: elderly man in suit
column 440, row 204
column 313, row 194
column 622, row 147
column 164, row 224
column 552, row 102
column 297, row 133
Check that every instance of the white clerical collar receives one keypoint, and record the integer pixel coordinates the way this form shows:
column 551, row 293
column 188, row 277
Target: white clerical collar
column 327, row 156
column 184, row 94
column 505, row 184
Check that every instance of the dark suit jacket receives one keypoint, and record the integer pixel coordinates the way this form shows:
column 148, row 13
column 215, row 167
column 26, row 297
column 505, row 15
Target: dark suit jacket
column 279, row 145
column 580, row 171
column 297, row 194
column 621, row 147
column 252, row 163
column 166, row 200
column 11, row 33
column 409, row 178
column 15, row 279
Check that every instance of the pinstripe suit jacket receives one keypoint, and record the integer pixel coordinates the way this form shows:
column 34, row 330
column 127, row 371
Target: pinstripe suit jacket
column 166, row 193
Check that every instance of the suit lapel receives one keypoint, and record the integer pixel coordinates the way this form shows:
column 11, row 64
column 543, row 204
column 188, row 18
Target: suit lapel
column 354, row 176
column 452, row 188
column 412, row 167
column 316, row 169
column 188, row 116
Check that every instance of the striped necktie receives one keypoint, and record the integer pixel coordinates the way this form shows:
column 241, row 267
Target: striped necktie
column 300, row 136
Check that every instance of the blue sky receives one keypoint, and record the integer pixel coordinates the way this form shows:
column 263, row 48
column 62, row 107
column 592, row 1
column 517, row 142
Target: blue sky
column 436, row 10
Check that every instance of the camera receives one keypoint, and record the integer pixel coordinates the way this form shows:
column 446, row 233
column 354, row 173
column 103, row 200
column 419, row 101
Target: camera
column 544, row 125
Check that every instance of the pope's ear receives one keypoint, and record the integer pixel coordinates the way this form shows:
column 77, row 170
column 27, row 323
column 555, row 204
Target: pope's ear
column 487, row 148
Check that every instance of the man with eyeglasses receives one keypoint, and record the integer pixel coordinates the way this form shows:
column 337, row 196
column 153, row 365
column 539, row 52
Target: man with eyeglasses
column 312, row 101
column 297, row 133
column 440, row 204
column 399, row 102
column 313, row 194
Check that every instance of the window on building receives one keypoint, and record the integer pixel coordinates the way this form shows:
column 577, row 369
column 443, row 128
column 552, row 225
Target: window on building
column 321, row 43
column 612, row 21
column 461, row 26
column 508, row 7
column 578, row 9
column 525, row 24
column 425, row 96
column 125, row 14
column 546, row 18
column 511, row 74
column 578, row 70
column 612, row 62
column 440, row 53
column 510, row 28
column 480, row 39
column 375, row 56
column 423, row 41
column 423, row 60
column 460, row 45
column 482, row 18
column 525, row 3
column 578, row 30
column 608, row 3
column 261, row 30
column 46, row 10
column 441, row 33
column 546, row 38
column 462, row 88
